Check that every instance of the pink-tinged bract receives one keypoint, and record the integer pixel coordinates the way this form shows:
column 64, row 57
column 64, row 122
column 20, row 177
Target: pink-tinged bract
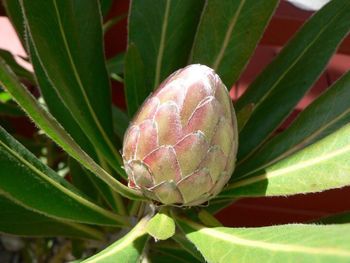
column 180, row 148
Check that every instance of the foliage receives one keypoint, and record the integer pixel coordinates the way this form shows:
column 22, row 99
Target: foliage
column 78, row 190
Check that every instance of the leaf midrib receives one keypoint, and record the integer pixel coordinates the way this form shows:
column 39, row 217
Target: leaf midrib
column 161, row 44
column 235, row 239
column 228, row 35
column 303, row 142
column 291, row 168
column 80, row 84
column 298, row 58
column 61, row 188
column 135, row 233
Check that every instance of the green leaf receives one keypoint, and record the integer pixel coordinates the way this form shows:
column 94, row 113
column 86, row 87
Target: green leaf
column 243, row 116
column 91, row 185
column 340, row 218
column 208, row 219
column 65, row 118
column 116, row 64
column 79, row 77
column 170, row 253
column 17, row 220
column 168, row 29
column 56, row 107
column 135, row 87
column 277, row 90
column 10, row 109
column 23, row 174
column 326, row 114
column 53, row 129
column 121, row 122
column 286, row 243
column 4, row 96
column 187, row 246
column 228, row 34
column 82, row 180
column 20, row 71
column 105, row 6
column 127, row 249
column 161, row 226
column 318, row 167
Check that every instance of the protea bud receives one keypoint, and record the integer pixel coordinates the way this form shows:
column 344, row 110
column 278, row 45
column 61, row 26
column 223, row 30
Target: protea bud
column 180, row 149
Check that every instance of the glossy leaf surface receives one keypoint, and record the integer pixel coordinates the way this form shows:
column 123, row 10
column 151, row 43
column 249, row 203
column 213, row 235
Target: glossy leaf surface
column 80, row 78
column 278, row 89
column 165, row 41
column 136, row 90
column 228, row 34
column 325, row 115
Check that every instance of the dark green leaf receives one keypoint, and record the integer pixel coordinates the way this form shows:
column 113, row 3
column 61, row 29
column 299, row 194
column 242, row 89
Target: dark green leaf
column 20, row 71
column 286, row 243
column 23, row 174
column 17, row 220
column 105, row 6
column 10, row 109
column 79, row 77
column 64, row 116
column 284, row 82
column 82, row 180
column 120, row 121
column 135, row 87
column 318, row 167
column 91, row 185
column 228, row 34
column 53, row 129
column 127, row 249
column 340, row 218
column 171, row 254
column 187, row 246
column 168, row 29
column 243, row 116
column 57, row 107
column 325, row 115
column 116, row 64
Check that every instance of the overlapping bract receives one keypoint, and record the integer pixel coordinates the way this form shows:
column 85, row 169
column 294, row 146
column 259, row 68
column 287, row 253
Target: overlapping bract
column 180, row 149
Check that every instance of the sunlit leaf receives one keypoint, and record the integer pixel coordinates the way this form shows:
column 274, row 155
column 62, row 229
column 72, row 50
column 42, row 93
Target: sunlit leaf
column 321, row 166
column 127, row 249
column 286, row 243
